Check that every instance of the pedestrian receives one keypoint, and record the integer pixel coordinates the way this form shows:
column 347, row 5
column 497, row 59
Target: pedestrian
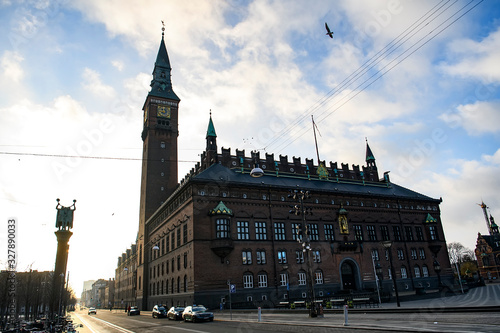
column 129, row 309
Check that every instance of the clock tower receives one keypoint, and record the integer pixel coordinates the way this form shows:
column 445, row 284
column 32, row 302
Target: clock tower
column 159, row 158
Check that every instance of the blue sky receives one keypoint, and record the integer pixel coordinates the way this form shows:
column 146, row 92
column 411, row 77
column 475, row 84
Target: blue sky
column 75, row 74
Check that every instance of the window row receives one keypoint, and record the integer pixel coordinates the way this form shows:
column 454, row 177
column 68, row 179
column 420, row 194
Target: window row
column 243, row 231
column 169, row 266
column 248, row 279
column 169, row 242
column 401, row 254
column 163, row 287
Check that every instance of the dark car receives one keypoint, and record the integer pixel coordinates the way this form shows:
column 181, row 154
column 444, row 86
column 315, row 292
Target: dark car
column 159, row 311
column 175, row 313
column 197, row 313
column 134, row 310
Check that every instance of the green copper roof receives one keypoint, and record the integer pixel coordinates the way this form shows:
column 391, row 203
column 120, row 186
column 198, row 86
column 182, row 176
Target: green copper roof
column 161, row 85
column 211, row 129
column 369, row 154
column 221, row 209
column 430, row 219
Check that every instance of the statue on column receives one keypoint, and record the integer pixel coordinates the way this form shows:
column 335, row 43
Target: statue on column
column 64, row 219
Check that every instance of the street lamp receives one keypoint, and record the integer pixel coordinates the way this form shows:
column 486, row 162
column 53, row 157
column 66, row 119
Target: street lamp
column 304, row 239
column 437, row 269
column 387, row 245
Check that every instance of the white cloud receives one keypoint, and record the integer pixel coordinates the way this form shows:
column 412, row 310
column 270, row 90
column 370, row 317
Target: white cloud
column 477, row 118
column 118, row 64
column 92, row 82
column 11, row 66
column 475, row 59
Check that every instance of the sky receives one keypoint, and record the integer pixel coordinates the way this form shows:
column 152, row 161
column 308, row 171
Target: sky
column 418, row 79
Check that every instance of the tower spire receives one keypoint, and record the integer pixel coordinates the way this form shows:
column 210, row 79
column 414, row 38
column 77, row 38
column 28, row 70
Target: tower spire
column 370, row 158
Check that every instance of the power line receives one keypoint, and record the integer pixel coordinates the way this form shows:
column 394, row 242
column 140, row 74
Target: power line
column 365, row 84
column 90, row 157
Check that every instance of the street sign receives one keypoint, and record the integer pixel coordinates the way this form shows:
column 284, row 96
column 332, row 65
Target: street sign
column 232, row 288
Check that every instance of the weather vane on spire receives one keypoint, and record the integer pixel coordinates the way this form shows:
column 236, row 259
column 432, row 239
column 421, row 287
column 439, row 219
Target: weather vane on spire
column 162, row 28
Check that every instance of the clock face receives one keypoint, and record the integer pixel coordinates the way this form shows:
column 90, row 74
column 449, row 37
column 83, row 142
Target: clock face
column 163, row 111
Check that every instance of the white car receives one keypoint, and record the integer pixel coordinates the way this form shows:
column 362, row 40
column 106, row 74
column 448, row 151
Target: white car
column 92, row 310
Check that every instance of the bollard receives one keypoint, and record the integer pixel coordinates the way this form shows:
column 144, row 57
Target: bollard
column 346, row 323
column 259, row 314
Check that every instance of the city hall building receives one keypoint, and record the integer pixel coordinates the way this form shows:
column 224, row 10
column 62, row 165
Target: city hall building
column 233, row 223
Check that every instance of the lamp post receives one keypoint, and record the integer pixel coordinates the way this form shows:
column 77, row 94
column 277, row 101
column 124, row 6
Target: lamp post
column 387, row 245
column 437, row 269
column 300, row 209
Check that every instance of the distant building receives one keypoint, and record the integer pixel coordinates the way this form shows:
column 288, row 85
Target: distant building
column 126, row 278
column 488, row 250
column 222, row 227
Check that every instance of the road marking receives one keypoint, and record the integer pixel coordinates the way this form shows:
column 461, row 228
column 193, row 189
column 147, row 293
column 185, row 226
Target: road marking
column 86, row 323
column 121, row 329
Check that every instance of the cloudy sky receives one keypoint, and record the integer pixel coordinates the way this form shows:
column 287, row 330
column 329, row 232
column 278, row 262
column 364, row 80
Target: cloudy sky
column 419, row 79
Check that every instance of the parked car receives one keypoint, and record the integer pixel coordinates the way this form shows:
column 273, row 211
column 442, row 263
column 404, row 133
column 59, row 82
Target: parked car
column 175, row 313
column 134, row 310
column 197, row 313
column 92, row 310
column 159, row 311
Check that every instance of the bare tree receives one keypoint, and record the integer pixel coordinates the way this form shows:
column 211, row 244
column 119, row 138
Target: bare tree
column 459, row 253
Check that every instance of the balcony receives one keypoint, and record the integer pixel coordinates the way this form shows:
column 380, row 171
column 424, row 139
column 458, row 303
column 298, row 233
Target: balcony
column 222, row 247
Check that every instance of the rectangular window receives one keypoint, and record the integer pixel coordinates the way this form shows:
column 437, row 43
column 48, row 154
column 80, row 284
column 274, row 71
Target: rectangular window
column 167, row 243
column 246, row 257
column 302, row 278
column 401, row 254
column 397, row 233
column 300, row 256
column 413, row 254
column 421, row 251
column 319, row 277
column 163, row 246
column 420, row 234
column 279, row 231
column 385, row 233
column 248, row 281
column 387, row 254
column 262, row 280
column 295, row 227
column 375, row 254
column 372, row 236
column 329, row 236
column 261, row 257
column 390, row 274
column 281, row 257
column 184, row 234
column 178, row 237
column 260, row 231
column 313, row 232
column 433, row 232
column 408, row 233
column 242, row 229
column 358, row 233
column 283, row 279
column 316, row 256
column 222, row 228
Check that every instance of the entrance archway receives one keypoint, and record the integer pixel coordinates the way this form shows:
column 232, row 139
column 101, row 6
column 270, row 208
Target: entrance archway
column 349, row 274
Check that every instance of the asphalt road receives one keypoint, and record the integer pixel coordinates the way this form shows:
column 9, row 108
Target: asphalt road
column 420, row 316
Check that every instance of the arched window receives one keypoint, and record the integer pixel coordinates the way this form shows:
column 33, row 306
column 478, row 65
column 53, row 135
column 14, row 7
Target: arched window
column 403, row 272
column 166, row 286
column 248, row 280
column 178, row 284
column 302, row 278
column 262, row 279
column 318, row 276
column 425, row 271
column 172, row 285
column 416, row 269
column 185, row 283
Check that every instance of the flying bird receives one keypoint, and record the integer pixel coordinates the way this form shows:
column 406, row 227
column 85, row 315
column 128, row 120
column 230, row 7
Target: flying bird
column 328, row 31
